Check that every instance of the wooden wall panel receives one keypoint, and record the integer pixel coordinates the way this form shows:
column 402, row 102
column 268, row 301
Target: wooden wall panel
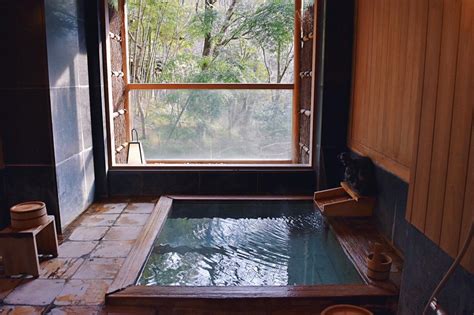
column 441, row 194
column 461, row 133
column 426, row 113
column 443, row 120
column 388, row 70
column 413, row 107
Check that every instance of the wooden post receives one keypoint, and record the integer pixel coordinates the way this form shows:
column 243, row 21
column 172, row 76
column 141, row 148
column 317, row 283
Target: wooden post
column 314, row 90
column 107, row 81
column 125, row 66
column 296, row 90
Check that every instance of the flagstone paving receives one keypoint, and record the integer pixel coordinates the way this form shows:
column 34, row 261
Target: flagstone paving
column 91, row 252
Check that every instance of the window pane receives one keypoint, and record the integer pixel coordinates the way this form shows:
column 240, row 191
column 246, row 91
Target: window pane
column 211, row 41
column 213, row 124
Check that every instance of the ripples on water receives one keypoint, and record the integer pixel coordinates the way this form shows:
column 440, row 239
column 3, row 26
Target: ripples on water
column 224, row 245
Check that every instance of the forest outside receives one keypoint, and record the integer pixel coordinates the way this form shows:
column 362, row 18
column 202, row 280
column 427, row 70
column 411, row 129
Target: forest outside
column 212, row 41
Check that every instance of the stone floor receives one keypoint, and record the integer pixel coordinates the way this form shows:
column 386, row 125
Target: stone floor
column 91, row 252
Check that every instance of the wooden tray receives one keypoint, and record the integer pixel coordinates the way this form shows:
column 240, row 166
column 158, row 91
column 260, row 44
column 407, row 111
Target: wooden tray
column 343, row 202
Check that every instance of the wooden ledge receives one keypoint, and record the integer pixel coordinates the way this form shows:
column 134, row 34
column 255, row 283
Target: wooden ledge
column 357, row 236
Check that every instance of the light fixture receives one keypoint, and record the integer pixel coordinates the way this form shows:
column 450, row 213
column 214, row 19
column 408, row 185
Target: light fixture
column 135, row 150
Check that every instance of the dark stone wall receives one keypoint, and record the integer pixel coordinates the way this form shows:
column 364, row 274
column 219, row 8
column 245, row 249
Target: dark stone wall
column 425, row 263
column 199, row 182
column 70, row 105
column 3, row 201
column 95, row 29
column 46, row 111
column 334, row 71
column 3, row 213
column 25, row 114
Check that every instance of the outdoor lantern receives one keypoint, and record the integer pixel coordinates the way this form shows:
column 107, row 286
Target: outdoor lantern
column 135, row 150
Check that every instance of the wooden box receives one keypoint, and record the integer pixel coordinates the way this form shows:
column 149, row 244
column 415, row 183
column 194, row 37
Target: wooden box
column 343, row 202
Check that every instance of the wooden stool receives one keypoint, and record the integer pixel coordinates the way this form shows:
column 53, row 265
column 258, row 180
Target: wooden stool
column 20, row 249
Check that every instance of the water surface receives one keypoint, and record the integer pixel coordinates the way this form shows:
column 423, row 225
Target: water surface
column 246, row 244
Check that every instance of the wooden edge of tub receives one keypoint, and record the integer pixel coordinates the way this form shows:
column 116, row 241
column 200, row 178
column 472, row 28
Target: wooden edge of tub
column 124, row 290
column 128, row 273
column 356, row 237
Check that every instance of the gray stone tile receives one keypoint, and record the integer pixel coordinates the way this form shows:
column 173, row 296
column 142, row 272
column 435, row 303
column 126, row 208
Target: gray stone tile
column 123, row 233
column 132, row 219
column 36, row 292
column 112, row 249
column 72, row 249
column 99, row 268
column 93, row 233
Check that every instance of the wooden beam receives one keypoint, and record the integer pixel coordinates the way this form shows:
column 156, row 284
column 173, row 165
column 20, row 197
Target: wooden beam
column 296, row 82
column 209, row 86
column 241, row 198
column 313, row 83
column 125, row 69
column 219, row 161
column 149, row 294
column 106, row 49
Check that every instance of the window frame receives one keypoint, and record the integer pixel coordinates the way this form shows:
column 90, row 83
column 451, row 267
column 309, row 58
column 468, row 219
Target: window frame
column 211, row 164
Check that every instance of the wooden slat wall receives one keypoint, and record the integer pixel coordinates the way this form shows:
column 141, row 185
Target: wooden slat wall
column 413, row 104
column 441, row 198
column 390, row 44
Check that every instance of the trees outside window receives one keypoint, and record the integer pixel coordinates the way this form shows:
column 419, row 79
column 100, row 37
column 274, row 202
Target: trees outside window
column 241, row 50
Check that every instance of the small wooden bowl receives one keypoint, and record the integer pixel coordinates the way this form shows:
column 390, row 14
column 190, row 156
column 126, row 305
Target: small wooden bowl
column 345, row 309
column 28, row 215
column 379, row 270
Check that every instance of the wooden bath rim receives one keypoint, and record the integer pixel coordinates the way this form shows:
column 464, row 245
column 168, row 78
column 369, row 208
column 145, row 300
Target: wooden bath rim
column 124, row 290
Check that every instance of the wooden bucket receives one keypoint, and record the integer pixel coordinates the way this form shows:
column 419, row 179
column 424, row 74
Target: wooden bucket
column 28, row 215
column 344, row 309
column 379, row 269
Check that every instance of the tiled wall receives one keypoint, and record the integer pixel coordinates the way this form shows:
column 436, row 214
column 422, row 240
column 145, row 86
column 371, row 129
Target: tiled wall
column 25, row 120
column 45, row 112
column 156, row 183
column 425, row 263
column 70, row 105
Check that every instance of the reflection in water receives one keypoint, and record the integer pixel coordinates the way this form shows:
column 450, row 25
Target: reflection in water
column 218, row 245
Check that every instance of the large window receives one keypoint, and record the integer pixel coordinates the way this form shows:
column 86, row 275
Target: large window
column 213, row 81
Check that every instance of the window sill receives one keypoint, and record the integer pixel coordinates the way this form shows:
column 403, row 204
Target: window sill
column 213, row 166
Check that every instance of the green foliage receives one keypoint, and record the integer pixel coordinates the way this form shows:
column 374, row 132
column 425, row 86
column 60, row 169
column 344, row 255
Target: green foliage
column 247, row 41
column 273, row 24
column 113, row 4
